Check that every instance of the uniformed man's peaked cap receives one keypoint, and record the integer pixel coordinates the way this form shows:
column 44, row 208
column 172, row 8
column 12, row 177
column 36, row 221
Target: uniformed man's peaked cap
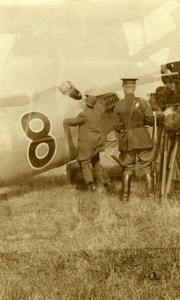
column 129, row 80
column 91, row 101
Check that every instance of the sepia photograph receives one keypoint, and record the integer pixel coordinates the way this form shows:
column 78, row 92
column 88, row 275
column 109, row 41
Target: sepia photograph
column 89, row 150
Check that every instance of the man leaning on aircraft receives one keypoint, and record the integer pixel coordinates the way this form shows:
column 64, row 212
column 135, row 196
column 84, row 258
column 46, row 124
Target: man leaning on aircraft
column 90, row 142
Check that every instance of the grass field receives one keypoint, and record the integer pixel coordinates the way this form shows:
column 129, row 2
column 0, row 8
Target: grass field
column 57, row 242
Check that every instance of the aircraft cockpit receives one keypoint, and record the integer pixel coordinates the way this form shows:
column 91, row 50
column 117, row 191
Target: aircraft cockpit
column 67, row 88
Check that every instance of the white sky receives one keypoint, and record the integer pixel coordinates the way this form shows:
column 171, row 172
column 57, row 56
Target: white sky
column 90, row 42
column 6, row 41
column 29, row 2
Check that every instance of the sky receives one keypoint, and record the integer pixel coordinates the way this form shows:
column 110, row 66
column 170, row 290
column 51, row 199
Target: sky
column 29, row 2
column 90, row 42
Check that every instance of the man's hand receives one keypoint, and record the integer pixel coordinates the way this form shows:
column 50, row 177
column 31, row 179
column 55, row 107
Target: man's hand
column 168, row 111
column 158, row 113
column 82, row 104
column 65, row 122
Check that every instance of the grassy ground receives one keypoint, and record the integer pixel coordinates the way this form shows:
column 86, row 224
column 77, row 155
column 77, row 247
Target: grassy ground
column 57, row 242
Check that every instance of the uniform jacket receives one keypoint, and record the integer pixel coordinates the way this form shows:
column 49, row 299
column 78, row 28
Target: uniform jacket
column 91, row 139
column 132, row 131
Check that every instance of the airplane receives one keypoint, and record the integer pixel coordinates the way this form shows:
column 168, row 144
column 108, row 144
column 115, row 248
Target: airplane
column 36, row 54
column 33, row 138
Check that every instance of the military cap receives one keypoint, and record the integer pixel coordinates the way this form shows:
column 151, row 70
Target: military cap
column 128, row 81
column 91, row 101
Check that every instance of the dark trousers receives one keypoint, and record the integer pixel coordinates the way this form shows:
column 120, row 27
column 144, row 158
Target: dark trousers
column 145, row 158
column 99, row 172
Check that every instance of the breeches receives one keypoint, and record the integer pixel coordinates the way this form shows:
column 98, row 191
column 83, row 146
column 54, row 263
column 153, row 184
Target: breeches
column 143, row 156
column 99, row 171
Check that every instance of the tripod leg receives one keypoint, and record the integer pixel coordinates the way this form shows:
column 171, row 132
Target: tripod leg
column 172, row 161
column 164, row 171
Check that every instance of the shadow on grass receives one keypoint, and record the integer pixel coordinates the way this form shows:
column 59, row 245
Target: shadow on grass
column 19, row 187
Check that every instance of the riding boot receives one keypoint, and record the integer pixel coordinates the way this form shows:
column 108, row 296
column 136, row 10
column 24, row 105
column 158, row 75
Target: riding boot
column 126, row 181
column 149, row 185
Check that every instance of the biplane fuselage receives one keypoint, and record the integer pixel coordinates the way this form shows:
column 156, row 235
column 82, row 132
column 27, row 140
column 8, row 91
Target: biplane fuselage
column 33, row 138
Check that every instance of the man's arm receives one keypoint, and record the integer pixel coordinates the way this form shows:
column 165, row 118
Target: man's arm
column 80, row 119
column 149, row 118
column 117, row 120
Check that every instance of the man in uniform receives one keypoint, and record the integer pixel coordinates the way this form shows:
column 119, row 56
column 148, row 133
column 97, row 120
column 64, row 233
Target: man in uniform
column 91, row 142
column 132, row 114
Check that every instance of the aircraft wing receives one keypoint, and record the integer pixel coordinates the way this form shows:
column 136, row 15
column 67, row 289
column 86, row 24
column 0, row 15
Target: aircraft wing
column 116, row 86
column 18, row 99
